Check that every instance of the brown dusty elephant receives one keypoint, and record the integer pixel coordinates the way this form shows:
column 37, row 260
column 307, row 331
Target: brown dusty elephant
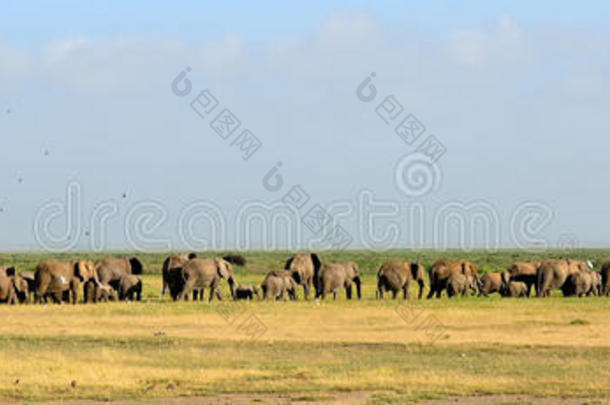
column 514, row 289
column 8, row 295
column 247, row 292
column 110, row 270
column 130, row 288
column 596, row 283
column 307, row 266
column 605, row 279
column 490, row 283
column 174, row 261
column 198, row 274
column 552, row 274
column 59, row 278
column 280, row 284
column 333, row 276
column 441, row 270
column 579, row 284
column 525, row 272
column 27, row 285
column 458, row 284
column 396, row 276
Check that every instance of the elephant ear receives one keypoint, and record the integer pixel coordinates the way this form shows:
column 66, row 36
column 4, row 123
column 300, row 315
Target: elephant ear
column 192, row 255
column 10, row 272
column 316, row 262
column 288, row 263
column 296, row 276
column 78, row 271
column 136, row 265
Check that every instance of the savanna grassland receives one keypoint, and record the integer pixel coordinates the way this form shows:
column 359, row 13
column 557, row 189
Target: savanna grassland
column 394, row 350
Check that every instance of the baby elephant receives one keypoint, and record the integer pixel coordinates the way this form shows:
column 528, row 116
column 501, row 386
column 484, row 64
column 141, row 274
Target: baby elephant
column 514, row 289
column 277, row 283
column 246, row 292
column 459, row 284
column 129, row 286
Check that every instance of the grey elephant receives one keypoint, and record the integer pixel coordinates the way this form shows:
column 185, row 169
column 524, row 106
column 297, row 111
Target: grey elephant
column 333, row 276
column 306, row 266
column 396, row 276
column 199, row 273
column 442, row 270
column 526, row 272
column 130, row 288
column 62, row 279
column 458, row 284
column 605, row 273
column 514, row 289
column 490, row 283
column 8, row 295
column 552, row 274
column 578, row 284
column 280, row 284
column 174, row 261
column 596, row 283
column 247, row 292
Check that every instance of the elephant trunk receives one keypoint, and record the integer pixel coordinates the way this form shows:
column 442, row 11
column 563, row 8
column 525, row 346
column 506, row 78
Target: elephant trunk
column 358, row 284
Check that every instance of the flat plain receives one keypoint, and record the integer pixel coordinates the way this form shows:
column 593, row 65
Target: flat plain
column 394, row 351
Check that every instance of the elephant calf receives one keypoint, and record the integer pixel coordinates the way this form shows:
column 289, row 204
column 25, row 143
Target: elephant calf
column 578, row 284
column 458, row 284
column 515, row 289
column 130, row 287
column 333, row 276
column 246, row 292
column 490, row 283
column 277, row 283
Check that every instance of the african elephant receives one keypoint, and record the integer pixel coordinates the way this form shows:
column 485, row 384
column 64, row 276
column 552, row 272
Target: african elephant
column 490, row 283
column 514, row 289
column 61, row 278
column 130, row 286
column 307, row 266
column 396, row 276
column 247, row 292
column 333, row 276
column 552, row 274
column 441, row 270
column 27, row 286
column 605, row 279
column 8, row 295
column 525, row 272
column 199, row 273
column 174, row 261
column 578, row 284
column 278, row 283
column 458, row 284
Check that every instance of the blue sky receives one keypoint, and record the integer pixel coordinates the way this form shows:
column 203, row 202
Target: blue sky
column 516, row 91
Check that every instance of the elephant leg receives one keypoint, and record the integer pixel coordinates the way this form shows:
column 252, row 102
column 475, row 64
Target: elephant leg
column 348, row 291
column 394, row 294
column 439, row 292
column 306, row 289
column 421, row 289
column 432, row 291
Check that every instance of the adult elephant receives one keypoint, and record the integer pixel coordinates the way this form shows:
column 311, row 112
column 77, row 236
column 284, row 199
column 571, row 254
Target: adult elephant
column 578, row 284
column 605, row 279
column 111, row 269
column 526, row 272
column 396, row 276
column 198, row 274
column 552, row 274
column 278, row 284
column 441, row 270
column 333, row 276
column 59, row 278
column 491, row 283
column 174, row 261
column 307, row 266
column 8, row 294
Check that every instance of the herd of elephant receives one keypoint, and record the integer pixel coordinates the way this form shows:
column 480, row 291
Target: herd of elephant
column 185, row 275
